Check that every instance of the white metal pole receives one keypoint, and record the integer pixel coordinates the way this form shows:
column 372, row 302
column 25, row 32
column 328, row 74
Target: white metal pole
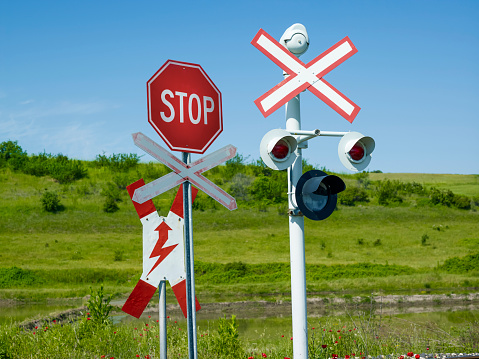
column 296, row 243
column 162, row 319
column 190, row 294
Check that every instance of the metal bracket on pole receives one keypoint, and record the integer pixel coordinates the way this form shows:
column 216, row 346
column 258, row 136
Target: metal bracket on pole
column 303, row 136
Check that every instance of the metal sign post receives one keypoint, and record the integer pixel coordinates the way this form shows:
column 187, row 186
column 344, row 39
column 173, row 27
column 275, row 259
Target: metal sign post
column 190, row 266
column 162, row 319
column 296, row 240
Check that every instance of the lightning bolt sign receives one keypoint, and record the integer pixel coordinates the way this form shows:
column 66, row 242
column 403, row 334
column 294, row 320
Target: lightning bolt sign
column 159, row 251
column 163, row 252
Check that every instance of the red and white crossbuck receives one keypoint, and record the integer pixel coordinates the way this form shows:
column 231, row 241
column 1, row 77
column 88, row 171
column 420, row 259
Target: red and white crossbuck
column 305, row 76
column 163, row 252
column 183, row 172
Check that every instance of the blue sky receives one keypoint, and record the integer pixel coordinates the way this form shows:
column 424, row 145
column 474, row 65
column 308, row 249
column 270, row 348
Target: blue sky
column 73, row 74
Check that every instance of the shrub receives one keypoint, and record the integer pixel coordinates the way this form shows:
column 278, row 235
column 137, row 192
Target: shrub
column 387, row 193
column 442, row 197
column 362, row 179
column 448, row 198
column 233, row 166
column 424, row 239
column 51, row 202
column 269, row 188
column 461, row 265
column 110, row 205
column 15, row 277
column 351, row 195
column 227, row 343
column 117, row 162
column 462, row 202
column 99, row 306
column 65, row 170
column 239, row 186
column 12, row 154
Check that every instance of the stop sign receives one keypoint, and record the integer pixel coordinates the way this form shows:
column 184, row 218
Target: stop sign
column 184, row 106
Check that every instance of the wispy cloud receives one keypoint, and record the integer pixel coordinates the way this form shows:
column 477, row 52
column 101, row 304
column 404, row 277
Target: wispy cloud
column 68, row 127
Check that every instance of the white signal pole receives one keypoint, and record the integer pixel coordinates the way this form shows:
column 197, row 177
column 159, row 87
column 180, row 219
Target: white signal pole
column 296, row 40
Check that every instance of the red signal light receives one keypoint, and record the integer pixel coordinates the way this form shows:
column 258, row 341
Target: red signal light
column 357, row 152
column 280, row 150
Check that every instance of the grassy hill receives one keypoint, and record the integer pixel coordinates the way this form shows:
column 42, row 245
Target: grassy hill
column 393, row 233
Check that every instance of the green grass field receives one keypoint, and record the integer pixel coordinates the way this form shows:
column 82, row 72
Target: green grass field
column 81, row 245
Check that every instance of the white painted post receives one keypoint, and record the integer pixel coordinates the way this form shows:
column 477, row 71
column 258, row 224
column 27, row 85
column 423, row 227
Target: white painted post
column 189, row 263
column 162, row 319
column 296, row 243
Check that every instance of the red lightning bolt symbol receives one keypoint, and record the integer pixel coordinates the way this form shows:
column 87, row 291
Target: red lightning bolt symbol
column 159, row 251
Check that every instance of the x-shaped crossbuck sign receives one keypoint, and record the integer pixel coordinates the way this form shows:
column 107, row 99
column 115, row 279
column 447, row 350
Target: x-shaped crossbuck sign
column 183, row 172
column 305, row 76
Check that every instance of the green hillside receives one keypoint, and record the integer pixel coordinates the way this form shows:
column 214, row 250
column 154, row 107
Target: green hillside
column 66, row 225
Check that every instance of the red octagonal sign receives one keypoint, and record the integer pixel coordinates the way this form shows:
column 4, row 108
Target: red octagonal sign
column 184, row 107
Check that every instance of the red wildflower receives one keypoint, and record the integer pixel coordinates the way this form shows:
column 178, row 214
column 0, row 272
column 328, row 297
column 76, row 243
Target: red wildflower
column 291, row 338
column 417, row 356
column 168, row 316
column 335, row 342
column 324, row 346
column 250, row 357
column 346, row 357
column 34, row 333
column 410, row 354
column 282, row 336
column 264, row 355
column 335, row 355
column 137, row 355
column 339, row 331
column 88, row 318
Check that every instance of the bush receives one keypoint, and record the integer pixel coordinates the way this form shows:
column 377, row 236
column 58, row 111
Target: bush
column 121, row 162
column 461, row 265
column 110, row 205
column 239, row 186
column 12, row 155
column 17, row 277
column 442, row 197
column 51, row 202
column 227, row 343
column 448, row 198
column 65, row 170
column 462, row 202
column 99, row 306
column 271, row 189
column 351, row 195
column 387, row 193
